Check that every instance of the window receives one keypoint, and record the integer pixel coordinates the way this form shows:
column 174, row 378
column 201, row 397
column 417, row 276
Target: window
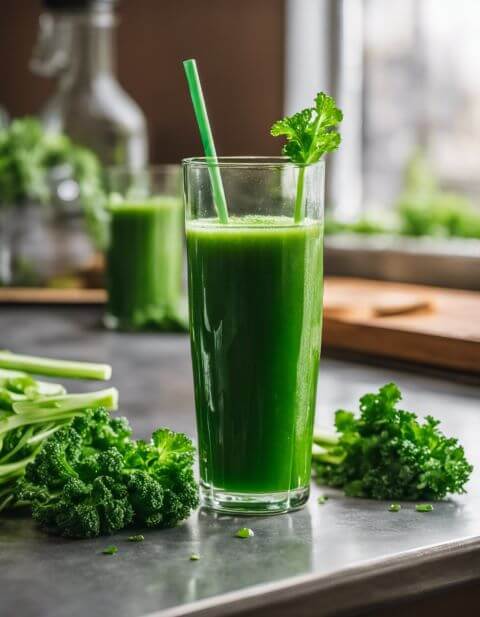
column 406, row 74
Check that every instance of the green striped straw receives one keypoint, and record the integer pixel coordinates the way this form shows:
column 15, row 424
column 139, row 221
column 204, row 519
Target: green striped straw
column 200, row 110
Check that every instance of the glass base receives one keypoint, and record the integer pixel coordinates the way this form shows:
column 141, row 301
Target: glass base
column 111, row 322
column 172, row 321
column 252, row 504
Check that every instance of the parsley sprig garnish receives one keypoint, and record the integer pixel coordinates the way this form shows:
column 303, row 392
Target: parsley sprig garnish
column 310, row 133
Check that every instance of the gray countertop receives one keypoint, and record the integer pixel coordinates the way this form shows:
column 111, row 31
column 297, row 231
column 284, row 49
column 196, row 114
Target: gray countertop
column 347, row 554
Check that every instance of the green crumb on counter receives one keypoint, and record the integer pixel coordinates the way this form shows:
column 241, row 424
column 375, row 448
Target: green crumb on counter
column 138, row 538
column 244, row 532
column 322, row 499
column 194, row 557
column 394, row 507
column 424, row 507
column 110, row 550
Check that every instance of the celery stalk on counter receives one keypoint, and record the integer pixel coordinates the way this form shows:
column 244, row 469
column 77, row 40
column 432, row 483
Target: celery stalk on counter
column 54, row 368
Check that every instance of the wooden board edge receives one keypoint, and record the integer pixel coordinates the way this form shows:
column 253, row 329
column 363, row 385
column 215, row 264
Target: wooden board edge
column 33, row 295
column 418, row 347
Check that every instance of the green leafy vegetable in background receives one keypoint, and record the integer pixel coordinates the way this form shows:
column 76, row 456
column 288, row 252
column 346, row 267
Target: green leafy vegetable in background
column 310, row 134
column 422, row 209
column 90, row 478
column 445, row 215
column 364, row 226
column 419, row 176
column 386, row 453
column 425, row 209
column 136, row 538
column 29, row 155
column 22, row 165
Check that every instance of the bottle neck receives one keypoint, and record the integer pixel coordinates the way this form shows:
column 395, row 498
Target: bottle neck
column 92, row 52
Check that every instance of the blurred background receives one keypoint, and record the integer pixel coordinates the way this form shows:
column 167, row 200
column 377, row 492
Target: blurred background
column 403, row 190
column 239, row 47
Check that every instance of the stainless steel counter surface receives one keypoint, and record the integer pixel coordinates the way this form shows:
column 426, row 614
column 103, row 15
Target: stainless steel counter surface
column 345, row 555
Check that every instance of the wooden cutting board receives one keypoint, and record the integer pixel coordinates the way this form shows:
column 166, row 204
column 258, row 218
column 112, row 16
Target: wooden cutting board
column 428, row 325
column 35, row 295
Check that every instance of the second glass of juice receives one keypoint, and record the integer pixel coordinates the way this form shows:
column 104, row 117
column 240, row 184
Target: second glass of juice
column 145, row 254
column 255, row 301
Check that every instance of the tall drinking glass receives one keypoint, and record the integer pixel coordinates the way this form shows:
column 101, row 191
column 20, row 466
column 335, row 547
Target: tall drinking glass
column 145, row 254
column 255, row 300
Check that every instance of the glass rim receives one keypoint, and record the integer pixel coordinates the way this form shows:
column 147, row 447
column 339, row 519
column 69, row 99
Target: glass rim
column 246, row 162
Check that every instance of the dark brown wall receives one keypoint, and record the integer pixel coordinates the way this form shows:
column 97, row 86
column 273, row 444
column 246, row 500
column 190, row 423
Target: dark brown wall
column 239, row 48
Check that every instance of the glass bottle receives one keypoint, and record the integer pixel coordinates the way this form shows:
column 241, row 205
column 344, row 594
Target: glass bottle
column 76, row 45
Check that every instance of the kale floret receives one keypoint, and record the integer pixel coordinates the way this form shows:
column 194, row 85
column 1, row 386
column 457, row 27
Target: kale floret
column 82, row 510
column 165, row 473
column 90, row 478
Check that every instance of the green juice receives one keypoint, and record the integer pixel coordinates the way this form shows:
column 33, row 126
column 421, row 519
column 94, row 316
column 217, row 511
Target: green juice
column 144, row 262
column 255, row 297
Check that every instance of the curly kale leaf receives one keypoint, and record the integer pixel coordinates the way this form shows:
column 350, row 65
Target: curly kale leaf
column 386, row 453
